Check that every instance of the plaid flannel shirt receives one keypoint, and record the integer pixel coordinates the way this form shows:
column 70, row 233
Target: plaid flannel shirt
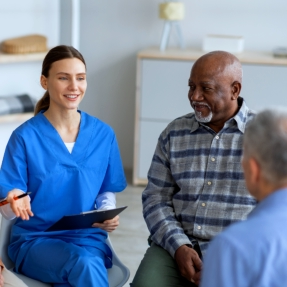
column 196, row 184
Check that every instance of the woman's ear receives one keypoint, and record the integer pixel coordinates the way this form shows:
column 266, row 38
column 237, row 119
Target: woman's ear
column 43, row 81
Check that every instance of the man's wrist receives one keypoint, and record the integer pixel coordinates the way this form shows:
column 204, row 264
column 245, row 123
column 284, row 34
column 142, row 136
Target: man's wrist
column 189, row 245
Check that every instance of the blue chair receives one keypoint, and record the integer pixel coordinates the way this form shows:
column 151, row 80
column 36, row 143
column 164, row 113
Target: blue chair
column 118, row 274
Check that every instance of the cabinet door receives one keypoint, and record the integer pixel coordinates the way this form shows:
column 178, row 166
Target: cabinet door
column 164, row 97
column 264, row 86
column 164, row 89
column 149, row 134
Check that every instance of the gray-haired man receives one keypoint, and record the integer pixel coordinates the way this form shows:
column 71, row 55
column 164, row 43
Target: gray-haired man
column 253, row 252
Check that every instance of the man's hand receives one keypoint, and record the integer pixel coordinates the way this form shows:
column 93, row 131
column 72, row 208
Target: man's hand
column 189, row 263
column 20, row 207
column 108, row 225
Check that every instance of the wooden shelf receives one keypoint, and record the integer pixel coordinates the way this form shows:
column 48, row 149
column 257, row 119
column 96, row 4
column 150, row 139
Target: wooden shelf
column 247, row 57
column 15, row 118
column 16, row 58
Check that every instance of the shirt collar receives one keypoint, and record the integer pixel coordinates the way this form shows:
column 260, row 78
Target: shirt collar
column 195, row 125
column 274, row 200
column 240, row 118
column 242, row 115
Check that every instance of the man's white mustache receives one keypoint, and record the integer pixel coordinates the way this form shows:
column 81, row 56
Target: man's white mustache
column 200, row 103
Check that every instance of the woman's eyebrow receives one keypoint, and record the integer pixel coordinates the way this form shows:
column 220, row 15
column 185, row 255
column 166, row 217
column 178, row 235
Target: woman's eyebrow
column 69, row 74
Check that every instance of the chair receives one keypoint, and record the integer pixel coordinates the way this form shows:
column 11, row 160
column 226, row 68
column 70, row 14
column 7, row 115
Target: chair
column 118, row 275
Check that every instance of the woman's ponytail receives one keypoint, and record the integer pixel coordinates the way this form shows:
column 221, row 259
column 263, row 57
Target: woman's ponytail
column 43, row 103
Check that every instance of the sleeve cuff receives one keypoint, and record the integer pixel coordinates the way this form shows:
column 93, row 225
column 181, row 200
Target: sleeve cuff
column 176, row 244
column 173, row 243
column 106, row 200
column 7, row 212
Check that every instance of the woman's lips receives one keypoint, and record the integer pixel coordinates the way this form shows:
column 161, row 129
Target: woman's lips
column 71, row 97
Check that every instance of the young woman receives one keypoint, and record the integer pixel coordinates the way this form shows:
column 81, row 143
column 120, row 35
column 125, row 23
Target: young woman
column 70, row 162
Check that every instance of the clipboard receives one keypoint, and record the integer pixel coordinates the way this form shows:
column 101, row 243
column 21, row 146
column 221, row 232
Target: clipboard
column 85, row 219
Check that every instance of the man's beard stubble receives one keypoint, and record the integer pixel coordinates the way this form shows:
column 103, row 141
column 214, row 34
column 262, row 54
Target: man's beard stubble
column 198, row 115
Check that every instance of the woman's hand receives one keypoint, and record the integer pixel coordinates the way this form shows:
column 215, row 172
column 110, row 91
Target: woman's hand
column 108, row 225
column 20, row 207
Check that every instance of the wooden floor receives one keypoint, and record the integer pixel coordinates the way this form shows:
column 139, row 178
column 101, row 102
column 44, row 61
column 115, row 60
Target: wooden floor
column 130, row 238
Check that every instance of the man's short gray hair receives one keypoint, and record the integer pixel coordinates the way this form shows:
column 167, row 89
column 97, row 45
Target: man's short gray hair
column 265, row 139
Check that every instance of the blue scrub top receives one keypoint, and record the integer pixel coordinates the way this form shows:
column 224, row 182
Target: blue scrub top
column 37, row 160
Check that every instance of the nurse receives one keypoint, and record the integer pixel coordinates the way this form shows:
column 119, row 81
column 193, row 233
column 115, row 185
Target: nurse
column 71, row 163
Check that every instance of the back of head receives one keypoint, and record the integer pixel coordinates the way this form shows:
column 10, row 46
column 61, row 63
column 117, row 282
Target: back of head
column 55, row 54
column 265, row 139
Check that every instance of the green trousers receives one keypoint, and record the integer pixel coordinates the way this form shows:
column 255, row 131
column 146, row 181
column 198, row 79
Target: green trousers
column 159, row 269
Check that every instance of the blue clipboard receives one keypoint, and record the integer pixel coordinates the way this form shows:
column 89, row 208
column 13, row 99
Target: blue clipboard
column 85, row 219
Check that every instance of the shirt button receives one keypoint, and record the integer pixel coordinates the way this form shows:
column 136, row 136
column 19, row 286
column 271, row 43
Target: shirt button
column 203, row 204
column 209, row 183
column 198, row 227
column 212, row 159
column 217, row 137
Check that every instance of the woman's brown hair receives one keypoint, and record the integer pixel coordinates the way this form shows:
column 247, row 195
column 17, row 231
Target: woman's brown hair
column 55, row 54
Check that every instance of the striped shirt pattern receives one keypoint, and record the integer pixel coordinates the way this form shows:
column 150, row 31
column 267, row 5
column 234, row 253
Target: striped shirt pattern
column 196, row 184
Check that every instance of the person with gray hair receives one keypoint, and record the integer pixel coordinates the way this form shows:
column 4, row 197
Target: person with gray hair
column 253, row 252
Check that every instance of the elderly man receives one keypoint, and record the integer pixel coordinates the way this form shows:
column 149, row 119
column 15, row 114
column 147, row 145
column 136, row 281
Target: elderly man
column 253, row 252
column 195, row 183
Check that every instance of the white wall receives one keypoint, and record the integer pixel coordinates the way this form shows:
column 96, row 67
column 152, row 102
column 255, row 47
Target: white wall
column 261, row 22
column 111, row 34
column 19, row 18
column 113, row 31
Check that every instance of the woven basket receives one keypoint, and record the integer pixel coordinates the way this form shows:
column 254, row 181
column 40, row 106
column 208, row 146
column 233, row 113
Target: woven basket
column 26, row 44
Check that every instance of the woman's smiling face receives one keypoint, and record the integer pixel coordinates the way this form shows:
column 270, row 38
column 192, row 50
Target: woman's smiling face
column 66, row 83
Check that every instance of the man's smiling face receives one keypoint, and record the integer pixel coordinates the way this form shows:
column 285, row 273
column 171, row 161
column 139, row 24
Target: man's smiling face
column 212, row 94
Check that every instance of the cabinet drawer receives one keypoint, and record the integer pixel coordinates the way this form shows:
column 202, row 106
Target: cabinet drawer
column 264, row 86
column 164, row 89
column 148, row 137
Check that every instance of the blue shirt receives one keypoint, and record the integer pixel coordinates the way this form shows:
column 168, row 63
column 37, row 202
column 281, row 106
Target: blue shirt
column 196, row 185
column 62, row 183
column 253, row 252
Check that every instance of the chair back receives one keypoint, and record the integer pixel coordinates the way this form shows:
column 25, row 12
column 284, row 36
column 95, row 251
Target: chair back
column 5, row 232
column 118, row 275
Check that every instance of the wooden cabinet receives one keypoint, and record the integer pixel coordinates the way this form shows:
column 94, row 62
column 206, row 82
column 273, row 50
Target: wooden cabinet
column 162, row 88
